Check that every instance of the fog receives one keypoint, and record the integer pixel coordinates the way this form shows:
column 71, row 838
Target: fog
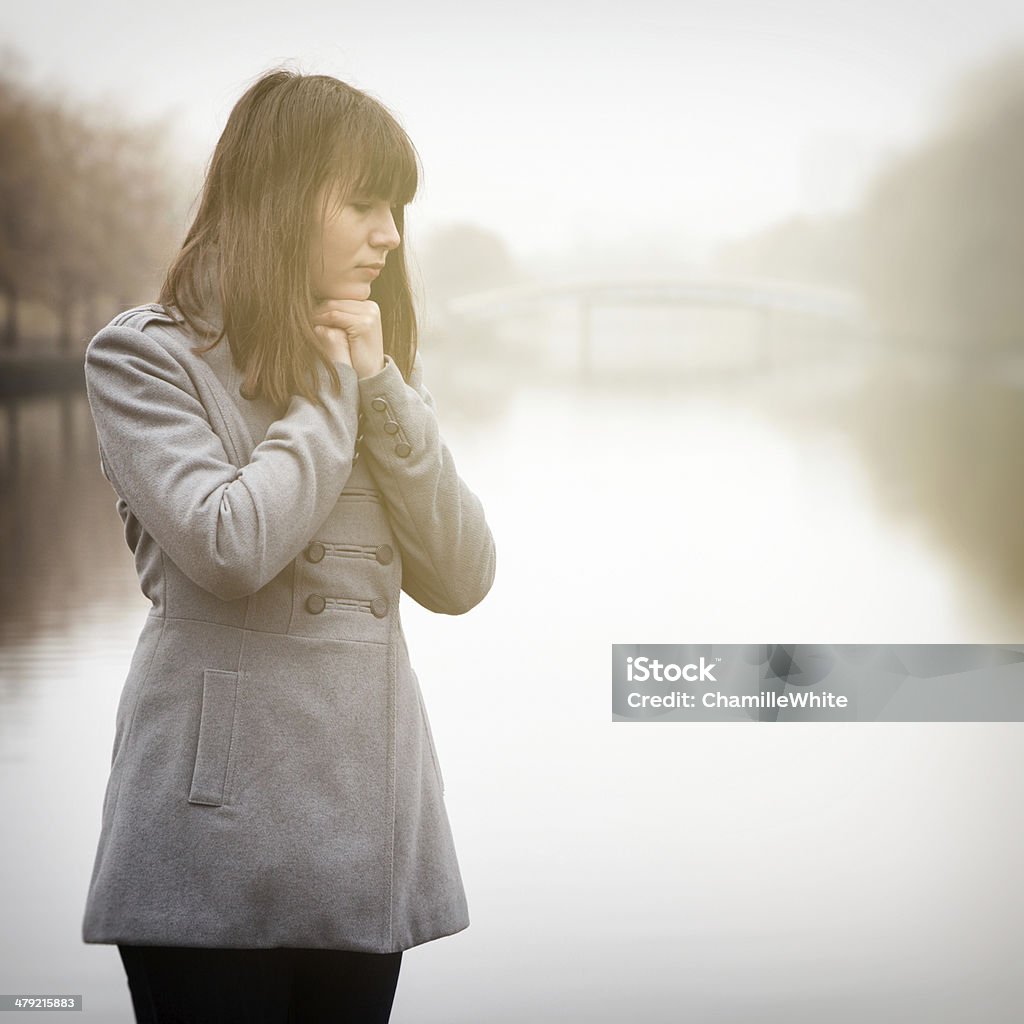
column 723, row 319
column 650, row 127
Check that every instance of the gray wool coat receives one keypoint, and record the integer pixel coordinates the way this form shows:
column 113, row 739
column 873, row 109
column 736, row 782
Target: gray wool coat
column 274, row 780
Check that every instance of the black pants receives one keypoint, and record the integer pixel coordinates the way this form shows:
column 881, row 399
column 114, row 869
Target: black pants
column 186, row 985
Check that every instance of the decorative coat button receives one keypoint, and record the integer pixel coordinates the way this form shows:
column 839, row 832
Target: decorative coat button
column 356, row 456
column 384, row 554
column 391, row 427
column 315, row 552
column 379, row 607
column 379, row 404
column 359, row 438
column 402, row 449
column 315, row 604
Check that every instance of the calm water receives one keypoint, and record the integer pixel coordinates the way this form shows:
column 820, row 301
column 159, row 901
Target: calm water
column 615, row 873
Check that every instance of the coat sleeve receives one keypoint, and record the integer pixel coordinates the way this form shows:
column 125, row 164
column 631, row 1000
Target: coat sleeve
column 230, row 530
column 448, row 556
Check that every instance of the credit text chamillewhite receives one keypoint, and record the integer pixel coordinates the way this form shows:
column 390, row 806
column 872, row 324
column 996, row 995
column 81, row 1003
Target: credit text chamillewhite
column 642, row 670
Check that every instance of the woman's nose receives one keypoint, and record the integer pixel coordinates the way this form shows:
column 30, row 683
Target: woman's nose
column 386, row 235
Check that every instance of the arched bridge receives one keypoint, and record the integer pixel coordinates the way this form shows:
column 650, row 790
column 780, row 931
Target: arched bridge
column 766, row 299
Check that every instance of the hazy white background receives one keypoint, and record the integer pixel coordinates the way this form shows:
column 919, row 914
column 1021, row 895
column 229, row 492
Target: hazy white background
column 561, row 123
column 614, row 873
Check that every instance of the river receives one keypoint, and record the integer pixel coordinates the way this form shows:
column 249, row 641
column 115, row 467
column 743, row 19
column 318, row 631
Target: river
column 622, row 872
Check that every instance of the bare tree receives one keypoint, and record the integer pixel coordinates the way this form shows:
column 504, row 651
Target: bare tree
column 87, row 209
column 943, row 227
column 22, row 201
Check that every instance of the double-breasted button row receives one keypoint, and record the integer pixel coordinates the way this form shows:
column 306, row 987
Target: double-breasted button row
column 392, row 427
column 316, row 551
column 316, row 603
column 384, row 553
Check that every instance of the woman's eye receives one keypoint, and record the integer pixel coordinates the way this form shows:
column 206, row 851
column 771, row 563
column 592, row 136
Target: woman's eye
column 364, row 208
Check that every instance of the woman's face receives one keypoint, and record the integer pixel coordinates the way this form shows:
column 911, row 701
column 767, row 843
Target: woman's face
column 345, row 242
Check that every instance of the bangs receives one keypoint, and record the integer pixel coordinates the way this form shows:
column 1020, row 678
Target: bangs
column 377, row 158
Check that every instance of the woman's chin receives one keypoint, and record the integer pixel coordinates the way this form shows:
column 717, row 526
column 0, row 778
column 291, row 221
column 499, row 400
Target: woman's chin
column 359, row 290
column 352, row 290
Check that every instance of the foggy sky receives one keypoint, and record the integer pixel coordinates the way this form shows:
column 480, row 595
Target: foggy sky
column 649, row 126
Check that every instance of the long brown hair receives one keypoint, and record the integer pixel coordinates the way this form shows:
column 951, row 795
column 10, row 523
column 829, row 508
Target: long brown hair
column 288, row 140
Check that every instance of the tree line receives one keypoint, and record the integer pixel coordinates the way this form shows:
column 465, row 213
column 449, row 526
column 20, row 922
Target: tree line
column 943, row 226
column 936, row 243
column 88, row 213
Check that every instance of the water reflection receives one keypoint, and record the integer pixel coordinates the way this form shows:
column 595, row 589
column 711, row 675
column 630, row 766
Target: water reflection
column 949, row 456
column 61, row 554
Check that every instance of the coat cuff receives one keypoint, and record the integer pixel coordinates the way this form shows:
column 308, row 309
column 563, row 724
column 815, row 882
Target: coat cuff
column 387, row 410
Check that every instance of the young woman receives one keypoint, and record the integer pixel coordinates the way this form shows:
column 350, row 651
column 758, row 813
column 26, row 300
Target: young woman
column 274, row 832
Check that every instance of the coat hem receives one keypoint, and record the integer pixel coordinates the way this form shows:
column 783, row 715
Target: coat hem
column 92, row 940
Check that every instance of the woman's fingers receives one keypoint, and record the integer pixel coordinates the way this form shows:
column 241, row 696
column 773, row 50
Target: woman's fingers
column 347, row 313
column 361, row 324
column 335, row 342
column 336, row 318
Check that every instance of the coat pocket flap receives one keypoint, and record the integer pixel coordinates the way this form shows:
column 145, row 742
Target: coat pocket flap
column 216, row 724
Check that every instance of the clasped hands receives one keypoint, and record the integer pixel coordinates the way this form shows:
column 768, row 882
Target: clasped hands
column 351, row 332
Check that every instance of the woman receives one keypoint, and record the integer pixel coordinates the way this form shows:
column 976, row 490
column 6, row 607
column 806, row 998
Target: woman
column 274, row 832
